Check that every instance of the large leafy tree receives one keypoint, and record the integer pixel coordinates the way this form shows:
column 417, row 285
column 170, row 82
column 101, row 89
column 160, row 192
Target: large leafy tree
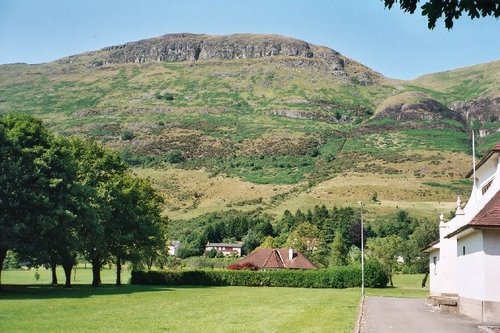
column 97, row 169
column 451, row 10
column 135, row 225
column 36, row 175
column 425, row 233
column 386, row 250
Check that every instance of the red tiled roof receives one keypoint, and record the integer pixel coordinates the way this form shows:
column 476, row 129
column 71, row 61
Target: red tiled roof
column 488, row 217
column 277, row 258
column 496, row 149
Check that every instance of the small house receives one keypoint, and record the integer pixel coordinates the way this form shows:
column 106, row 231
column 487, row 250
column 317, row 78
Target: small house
column 277, row 259
column 227, row 249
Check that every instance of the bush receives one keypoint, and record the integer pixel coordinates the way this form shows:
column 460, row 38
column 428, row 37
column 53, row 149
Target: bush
column 127, row 135
column 375, row 275
column 337, row 277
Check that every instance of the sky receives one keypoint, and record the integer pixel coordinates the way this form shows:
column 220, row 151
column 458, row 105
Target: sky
column 392, row 42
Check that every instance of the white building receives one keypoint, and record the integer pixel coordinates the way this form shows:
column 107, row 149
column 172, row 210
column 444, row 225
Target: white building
column 465, row 262
column 225, row 248
column 173, row 247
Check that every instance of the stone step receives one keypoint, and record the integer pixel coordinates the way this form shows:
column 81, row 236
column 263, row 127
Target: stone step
column 449, row 301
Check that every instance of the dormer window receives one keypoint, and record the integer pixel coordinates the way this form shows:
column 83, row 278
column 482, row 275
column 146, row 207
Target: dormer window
column 487, row 186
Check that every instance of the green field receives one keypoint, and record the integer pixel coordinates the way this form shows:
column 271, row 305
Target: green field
column 180, row 309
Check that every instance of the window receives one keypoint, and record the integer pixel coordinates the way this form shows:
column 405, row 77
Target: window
column 463, row 250
column 434, row 260
column 487, row 186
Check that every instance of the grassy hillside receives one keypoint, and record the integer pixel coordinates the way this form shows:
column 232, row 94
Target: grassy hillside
column 273, row 132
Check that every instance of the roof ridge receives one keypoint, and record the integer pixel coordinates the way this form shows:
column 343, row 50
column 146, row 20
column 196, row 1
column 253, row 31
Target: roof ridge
column 268, row 257
column 281, row 258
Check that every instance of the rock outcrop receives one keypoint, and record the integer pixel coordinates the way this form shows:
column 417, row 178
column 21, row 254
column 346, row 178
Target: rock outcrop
column 419, row 109
column 483, row 110
column 195, row 47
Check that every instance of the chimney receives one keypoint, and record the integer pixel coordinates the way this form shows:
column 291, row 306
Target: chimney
column 290, row 254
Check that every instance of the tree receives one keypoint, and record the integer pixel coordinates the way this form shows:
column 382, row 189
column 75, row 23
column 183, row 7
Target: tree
column 305, row 238
column 36, row 193
column 400, row 224
column 450, row 9
column 339, row 251
column 268, row 243
column 134, row 222
column 97, row 167
column 425, row 232
column 386, row 250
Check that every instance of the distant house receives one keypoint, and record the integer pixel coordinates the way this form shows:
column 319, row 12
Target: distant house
column 465, row 261
column 173, row 246
column 227, row 249
column 277, row 259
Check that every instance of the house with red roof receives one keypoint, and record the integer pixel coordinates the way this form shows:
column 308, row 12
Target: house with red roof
column 465, row 262
column 276, row 259
column 227, row 249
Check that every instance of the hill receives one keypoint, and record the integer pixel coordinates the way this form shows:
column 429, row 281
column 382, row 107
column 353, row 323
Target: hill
column 266, row 122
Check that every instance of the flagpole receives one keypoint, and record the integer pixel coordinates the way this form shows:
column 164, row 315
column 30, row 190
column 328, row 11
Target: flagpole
column 474, row 164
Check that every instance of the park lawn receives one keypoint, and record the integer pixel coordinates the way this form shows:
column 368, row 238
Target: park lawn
column 135, row 308
column 82, row 276
column 405, row 285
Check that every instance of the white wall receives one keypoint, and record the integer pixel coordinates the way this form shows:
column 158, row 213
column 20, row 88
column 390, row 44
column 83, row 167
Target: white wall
column 471, row 266
column 434, row 270
column 492, row 264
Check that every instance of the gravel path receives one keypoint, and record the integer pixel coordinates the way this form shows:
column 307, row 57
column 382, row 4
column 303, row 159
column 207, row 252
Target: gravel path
column 389, row 314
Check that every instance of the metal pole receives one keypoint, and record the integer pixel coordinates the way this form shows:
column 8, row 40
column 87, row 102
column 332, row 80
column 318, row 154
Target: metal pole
column 362, row 253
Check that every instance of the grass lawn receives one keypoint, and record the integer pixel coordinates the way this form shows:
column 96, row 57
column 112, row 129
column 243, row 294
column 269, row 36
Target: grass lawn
column 82, row 276
column 180, row 309
column 405, row 285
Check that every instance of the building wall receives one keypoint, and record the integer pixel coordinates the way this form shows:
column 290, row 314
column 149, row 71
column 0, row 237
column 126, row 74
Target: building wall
column 434, row 270
column 492, row 265
column 471, row 273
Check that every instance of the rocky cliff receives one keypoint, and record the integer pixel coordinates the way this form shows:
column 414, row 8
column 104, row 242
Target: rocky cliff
column 195, row 47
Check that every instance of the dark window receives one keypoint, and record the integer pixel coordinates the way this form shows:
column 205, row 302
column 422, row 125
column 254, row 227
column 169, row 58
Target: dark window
column 463, row 250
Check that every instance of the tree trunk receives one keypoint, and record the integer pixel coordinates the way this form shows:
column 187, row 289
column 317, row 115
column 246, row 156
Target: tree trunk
column 118, row 272
column 67, row 266
column 96, row 272
column 390, row 280
column 3, row 254
column 149, row 263
column 54, row 273
column 424, row 280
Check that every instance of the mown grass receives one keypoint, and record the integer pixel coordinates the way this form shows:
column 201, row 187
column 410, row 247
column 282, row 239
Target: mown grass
column 133, row 308
column 405, row 285
column 80, row 275
column 179, row 309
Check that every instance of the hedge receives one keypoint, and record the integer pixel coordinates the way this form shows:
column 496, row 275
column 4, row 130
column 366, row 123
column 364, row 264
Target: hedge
column 338, row 277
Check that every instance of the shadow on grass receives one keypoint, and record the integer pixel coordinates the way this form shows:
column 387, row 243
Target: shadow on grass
column 18, row 292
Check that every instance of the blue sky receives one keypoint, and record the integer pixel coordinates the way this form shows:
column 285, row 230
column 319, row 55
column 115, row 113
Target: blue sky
column 394, row 43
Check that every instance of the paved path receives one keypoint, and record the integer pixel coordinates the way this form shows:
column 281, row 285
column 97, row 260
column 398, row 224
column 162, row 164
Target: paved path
column 389, row 314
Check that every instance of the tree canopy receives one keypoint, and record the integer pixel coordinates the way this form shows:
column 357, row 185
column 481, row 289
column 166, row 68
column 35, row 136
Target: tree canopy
column 451, row 10
column 62, row 197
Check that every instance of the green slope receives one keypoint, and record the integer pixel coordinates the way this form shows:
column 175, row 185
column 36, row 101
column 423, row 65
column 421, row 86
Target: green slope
column 302, row 124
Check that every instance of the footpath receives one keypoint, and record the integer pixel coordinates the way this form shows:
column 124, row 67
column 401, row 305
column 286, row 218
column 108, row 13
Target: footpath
column 390, row 314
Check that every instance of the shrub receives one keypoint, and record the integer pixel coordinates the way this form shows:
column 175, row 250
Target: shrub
column 375, row 275
column 127, row 135
column 337, row 277
column 245, row 266
column 174, row 156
